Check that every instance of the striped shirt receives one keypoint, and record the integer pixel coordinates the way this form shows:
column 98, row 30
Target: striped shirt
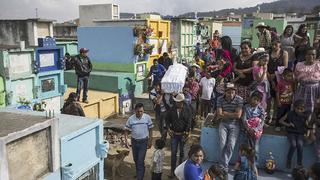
column 139, row 127
column 232, row 106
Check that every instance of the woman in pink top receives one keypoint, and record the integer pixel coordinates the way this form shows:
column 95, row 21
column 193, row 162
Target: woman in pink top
column 261, row 82
column 228, row 54
column 307, row 74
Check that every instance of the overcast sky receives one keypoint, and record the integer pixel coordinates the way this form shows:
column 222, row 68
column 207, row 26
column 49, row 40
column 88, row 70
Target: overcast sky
column 63, row 10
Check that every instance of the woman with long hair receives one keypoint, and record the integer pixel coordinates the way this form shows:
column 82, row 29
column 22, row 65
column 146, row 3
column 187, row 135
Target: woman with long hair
column 243, row 70
column 302, row 42
column 287, row 44
column 228, row 54
column 192, row 168
column 277, row 58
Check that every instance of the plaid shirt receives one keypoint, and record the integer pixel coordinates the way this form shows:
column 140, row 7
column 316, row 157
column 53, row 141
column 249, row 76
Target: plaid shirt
column 264, row 39
column 157, row 161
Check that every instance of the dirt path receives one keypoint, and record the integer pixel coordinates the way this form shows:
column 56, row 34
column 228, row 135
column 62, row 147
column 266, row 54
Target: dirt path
column 128, row 167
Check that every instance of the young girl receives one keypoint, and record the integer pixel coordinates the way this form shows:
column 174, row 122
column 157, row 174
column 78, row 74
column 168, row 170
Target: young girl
column 261, row 83
column 284, row 93
column 192, row 168
column 215, row 173
column 253, row 120
column 245, row 168
column 295, row 122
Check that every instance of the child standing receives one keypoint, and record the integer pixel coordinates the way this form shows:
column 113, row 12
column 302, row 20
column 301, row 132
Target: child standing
column 284, row 93
column 157, row 160
column 259, row 73
column 187, row 95
column 207, row 84
column 245, row 167
column 295, row 122
column 253, row 120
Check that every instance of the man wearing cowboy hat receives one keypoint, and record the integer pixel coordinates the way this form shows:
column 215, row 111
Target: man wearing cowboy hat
column 229, row 110
column 178, row 121
column 264, row 36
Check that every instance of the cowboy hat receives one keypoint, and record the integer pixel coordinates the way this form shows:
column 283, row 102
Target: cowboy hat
column 259, row 50
column 261, row 24
column 179, row 98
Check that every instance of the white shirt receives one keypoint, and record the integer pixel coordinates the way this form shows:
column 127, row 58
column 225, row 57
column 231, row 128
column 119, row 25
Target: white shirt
column 139, row 127
column 207, row 87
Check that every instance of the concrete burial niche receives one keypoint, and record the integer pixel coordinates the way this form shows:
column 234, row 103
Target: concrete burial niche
column 29, row 147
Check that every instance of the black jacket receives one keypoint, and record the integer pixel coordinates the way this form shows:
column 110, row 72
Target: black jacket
column 82, row 66
column 72, row 108
column 181, row 124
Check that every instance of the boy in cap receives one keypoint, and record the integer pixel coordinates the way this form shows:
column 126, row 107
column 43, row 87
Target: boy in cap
column 83, row 67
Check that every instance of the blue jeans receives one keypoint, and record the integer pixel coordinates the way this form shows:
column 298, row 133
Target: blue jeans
column 139, row 150
column 296, row 142
column 82, row 82
column 228, row 133
column 161, row 120
column 176, row 140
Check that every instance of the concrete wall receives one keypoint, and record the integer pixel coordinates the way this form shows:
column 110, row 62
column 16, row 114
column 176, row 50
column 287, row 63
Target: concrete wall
column 277, row 144
column 97, row 11
column 33, row 149
column 108, row 44
column 14, row 31
column 119, row 23
column 61, row 31
column 213, row 26
column 234, row 32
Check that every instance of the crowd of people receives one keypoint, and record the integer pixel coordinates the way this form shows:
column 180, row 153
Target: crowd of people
column 275, row 85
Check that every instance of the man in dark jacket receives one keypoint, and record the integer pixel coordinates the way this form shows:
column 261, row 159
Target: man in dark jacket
column 178, row 121
column 165, row 60
column 83, row 67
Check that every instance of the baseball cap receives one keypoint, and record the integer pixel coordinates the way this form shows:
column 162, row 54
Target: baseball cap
column 84, row 50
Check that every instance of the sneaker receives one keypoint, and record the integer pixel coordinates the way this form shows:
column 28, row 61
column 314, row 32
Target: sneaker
column 85, row 101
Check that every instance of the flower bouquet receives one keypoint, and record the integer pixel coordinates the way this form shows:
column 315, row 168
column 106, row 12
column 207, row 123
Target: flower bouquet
column 148, row 32
column 24, row 103
column 148, row 48
column 138, row 49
